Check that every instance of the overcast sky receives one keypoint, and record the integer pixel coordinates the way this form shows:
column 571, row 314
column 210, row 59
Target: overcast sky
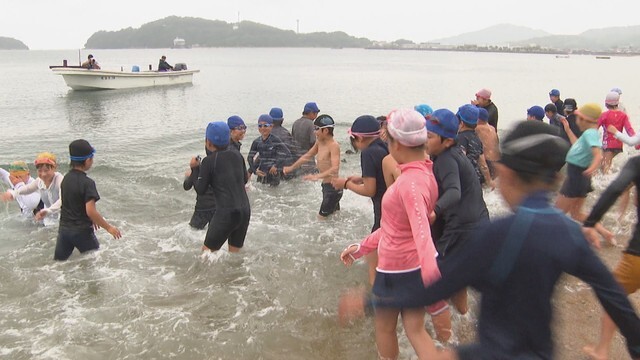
column 67, row 24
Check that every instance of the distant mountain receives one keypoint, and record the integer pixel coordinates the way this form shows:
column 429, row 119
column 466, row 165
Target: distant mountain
column 607, row 39
column 7, row 43
column 497, row 35
column 215, row 33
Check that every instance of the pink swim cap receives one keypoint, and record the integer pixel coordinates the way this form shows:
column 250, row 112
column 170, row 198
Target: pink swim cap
column 407, row 126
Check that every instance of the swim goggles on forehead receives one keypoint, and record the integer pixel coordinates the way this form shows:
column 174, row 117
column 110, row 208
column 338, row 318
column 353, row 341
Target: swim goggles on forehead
column 353, row 134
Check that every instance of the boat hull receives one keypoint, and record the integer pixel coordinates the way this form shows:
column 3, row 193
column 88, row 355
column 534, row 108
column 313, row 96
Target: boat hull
column 84, row 79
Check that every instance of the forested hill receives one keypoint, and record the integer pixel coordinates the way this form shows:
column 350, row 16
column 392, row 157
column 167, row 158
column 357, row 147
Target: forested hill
column 7, row 43
column 215, row 33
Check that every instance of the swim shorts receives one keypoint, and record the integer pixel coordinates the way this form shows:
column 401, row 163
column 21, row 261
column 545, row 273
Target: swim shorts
column 68, row 239
column 228, row 224
column 330, row 199
column 575, row 184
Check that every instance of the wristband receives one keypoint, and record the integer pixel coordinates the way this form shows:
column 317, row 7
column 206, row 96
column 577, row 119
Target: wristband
column 345, row 184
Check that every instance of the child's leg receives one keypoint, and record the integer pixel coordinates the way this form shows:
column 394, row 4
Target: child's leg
column 601, row 350
column 460, row 302
column 564, row 203
column 413, row 322
column 386, row 321
column 607, row 158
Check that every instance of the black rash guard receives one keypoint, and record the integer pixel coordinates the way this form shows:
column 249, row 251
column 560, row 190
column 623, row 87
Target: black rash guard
column 226, row 172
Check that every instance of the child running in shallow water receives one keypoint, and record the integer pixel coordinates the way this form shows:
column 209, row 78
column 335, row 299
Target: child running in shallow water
column 583, row 160
column 406, row 253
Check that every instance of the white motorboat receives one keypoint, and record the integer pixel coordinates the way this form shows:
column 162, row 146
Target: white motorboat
column 79, row 78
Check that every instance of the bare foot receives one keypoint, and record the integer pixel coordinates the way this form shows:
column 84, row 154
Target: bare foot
column 590, row 351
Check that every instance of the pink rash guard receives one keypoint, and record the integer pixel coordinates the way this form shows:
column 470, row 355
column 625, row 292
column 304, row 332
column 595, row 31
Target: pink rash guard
column 404, row 238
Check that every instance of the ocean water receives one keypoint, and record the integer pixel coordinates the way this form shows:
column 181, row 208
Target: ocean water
column 152, row 294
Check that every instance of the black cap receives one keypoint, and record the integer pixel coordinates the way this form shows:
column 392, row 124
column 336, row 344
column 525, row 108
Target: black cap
column 80, row 150
column 90, row 56
column 324, row 121
column 535, row 148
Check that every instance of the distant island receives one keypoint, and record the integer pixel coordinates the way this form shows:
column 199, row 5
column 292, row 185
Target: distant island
column 7, row 43
column 197, row 32
column 189, row 32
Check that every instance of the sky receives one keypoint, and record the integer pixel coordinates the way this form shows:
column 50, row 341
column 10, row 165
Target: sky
column 67, row 24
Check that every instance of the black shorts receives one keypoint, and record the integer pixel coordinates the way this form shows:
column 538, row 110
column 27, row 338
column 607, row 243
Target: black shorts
column 228, row 224
column 575, row 184
column 68, row 239
column 330, row 199
column 201, row 218
column 270, row 179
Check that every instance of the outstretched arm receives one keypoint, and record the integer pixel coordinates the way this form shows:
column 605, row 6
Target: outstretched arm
column 303, row 159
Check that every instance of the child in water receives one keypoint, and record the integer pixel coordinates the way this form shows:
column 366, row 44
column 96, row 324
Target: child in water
column 583, row 160
column 327, row 153
column 17, row 177
column 78, row 215
column 225, row 172
column 406, row 253
column 365, row 136
column 47, row 184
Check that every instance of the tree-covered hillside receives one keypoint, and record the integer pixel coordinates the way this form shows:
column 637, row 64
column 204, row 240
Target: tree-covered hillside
column 215, row 33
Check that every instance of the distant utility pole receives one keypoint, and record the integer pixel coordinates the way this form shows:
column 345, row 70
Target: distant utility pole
column 297, row 26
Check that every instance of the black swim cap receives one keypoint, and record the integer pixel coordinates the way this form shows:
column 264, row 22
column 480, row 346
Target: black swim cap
column 324, row 121
column 535, row 148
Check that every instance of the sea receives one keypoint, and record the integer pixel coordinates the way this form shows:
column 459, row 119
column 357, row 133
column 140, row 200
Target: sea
column 153, row 294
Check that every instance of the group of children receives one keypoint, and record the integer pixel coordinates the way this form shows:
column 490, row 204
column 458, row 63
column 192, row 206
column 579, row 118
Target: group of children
column 71, row 198
column 430, row 238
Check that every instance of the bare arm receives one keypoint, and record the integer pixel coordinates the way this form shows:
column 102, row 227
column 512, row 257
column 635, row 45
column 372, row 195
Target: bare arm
column 98, row 220
column 303, row 159
column 567, row 129
column 595, row 164
column 390, row 170
column 484, row 169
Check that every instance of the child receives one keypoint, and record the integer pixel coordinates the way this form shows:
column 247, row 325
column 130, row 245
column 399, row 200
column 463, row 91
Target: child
column 224, row 170
column 460, row 206
column 365, row 136
column 403, row 241
column 470, row 143
column 535, row 113
column 489, row 139
column 238, row 130
column 78, row 215
column 327, row 153
column 618, row 119
column 268, row 154
column 583, row 160
column 205, row 204
column 515, row 262
column 47, row 184
column 17, row 177
column 627, row 272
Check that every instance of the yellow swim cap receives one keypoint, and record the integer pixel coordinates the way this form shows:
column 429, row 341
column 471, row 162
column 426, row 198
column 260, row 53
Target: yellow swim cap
column 46, row 158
